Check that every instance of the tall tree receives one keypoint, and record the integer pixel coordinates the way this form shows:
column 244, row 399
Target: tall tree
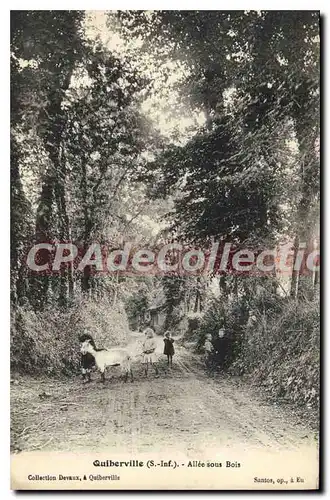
column 267, row 64
column 51, row 43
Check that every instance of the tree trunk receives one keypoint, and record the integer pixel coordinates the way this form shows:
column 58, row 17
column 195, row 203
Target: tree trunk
column 295, row 274
column 306, row 133
column 43, row 234
column 20, row 230
column 54, row 118
column 197, row 302
column 52, row 140
column 223, row 286
column 86, row 279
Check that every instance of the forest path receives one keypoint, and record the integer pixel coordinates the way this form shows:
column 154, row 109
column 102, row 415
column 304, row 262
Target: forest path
column 181, row 411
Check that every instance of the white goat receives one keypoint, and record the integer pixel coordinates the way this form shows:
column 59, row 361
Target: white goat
column 112, row 357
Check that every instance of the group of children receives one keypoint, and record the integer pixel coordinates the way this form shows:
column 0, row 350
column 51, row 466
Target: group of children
column 149, row 346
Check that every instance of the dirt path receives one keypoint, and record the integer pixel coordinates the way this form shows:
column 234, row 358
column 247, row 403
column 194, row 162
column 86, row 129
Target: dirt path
column 182, row 410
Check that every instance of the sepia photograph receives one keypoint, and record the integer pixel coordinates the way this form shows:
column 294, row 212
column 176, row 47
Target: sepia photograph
column 165, row 249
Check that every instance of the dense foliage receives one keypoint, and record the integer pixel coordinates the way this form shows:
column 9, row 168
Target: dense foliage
column 88, row 163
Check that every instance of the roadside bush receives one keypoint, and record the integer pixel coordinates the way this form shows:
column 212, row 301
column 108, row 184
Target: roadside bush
column 211, row 321
column 107, row 325
column 280, row 352
column 226, row 348
column 173, row 318
column 48, row 342
column 188, row 328
column 42, row 343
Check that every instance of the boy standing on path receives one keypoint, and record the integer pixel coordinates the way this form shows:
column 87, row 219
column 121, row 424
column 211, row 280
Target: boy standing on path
column 168, row 348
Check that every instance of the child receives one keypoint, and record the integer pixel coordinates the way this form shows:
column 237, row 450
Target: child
column 87, row 361
column 208, row 352
column 168, row 348
column 148, row 347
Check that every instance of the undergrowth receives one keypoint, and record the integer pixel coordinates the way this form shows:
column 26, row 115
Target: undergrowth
column 47, row 342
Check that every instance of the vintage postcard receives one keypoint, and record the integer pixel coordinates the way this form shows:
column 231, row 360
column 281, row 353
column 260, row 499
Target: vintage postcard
column 165, row 306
